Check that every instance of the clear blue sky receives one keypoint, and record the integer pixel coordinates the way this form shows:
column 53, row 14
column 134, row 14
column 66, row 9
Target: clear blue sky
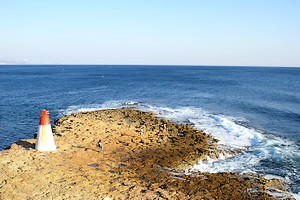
column 180, row 32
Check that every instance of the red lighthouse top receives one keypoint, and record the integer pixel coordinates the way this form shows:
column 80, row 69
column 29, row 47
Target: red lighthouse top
column 44, row 119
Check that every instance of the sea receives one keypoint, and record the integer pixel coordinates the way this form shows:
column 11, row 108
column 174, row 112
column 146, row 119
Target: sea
column 255, row 110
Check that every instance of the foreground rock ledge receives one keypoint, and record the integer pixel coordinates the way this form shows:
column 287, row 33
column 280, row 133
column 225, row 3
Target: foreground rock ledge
column 141, row 159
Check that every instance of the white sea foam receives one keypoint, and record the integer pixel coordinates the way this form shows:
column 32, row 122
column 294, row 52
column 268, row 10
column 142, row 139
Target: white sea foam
column 296, row 196
column 91, row 107
column 221, row 127
column 77, row 109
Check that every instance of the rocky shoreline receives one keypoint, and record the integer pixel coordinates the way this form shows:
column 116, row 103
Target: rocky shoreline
column 143, row 157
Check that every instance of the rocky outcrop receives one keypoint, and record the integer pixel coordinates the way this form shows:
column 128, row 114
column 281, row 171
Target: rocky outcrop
column 142, row 157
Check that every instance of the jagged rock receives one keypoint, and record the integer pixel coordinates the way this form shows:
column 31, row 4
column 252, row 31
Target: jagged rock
column 133, row 164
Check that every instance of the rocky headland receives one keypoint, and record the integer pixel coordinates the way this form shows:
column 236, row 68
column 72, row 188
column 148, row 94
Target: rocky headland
column 143, row 157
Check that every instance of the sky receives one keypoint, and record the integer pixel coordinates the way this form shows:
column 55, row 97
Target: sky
column 153, row 32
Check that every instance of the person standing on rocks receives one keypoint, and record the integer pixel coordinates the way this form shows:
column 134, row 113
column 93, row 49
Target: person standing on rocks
column 99, row 145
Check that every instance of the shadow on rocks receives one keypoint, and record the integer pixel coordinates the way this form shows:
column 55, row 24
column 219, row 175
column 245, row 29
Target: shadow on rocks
column 25, row 144
column 153, row 171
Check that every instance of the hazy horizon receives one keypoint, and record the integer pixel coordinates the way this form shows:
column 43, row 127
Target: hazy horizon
column 154, row 65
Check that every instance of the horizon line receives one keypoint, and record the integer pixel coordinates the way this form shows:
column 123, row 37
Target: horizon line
column 182, row 65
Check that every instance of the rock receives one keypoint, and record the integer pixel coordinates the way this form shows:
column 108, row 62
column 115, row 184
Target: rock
column 131, row 165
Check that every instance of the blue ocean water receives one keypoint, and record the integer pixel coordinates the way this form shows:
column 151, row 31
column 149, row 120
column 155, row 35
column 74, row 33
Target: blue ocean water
column 253, row 109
